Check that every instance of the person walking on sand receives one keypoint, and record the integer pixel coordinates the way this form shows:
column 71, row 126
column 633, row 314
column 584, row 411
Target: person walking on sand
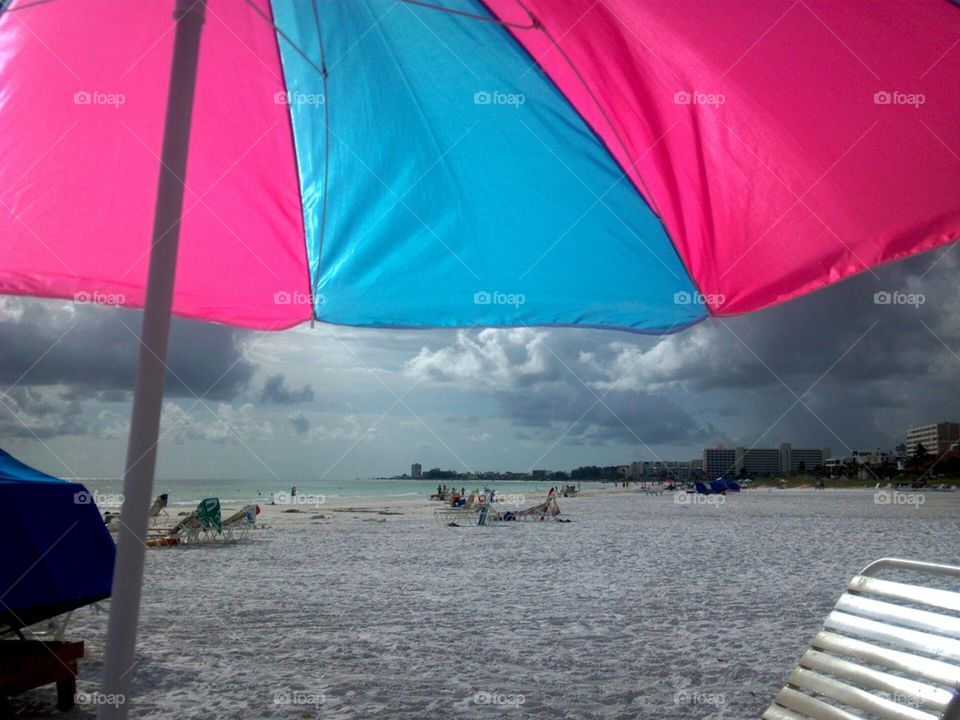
column 293, row 491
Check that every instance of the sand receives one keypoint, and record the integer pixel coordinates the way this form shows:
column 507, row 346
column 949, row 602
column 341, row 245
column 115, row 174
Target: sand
column 640, row 607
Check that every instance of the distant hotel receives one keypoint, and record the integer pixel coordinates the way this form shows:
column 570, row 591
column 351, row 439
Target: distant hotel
column 676, row 470
column 720, row 461
column 936, row 438
column 416, row 470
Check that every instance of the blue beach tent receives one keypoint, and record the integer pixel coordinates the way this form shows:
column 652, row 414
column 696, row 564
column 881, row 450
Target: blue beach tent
column 57, row 553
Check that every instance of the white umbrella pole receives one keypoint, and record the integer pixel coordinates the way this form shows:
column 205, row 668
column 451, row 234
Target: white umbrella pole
column 118, row 669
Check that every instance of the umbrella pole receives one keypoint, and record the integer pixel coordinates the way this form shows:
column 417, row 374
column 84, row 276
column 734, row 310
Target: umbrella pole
column 118, row 667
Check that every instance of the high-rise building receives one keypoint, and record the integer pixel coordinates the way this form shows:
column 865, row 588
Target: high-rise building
column 802, row 459
column 935, row 438
column 762, row 461
column 719, row 461
column 416, row 470
column 759, row 461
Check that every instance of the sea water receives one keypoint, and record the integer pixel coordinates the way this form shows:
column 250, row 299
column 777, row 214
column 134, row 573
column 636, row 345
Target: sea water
column 188, row 492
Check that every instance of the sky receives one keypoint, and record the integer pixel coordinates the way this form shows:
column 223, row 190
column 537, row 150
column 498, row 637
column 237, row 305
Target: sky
column 839, row 368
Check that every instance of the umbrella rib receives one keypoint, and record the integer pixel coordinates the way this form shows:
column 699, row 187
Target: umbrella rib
column 326, row 152
column 300, row 51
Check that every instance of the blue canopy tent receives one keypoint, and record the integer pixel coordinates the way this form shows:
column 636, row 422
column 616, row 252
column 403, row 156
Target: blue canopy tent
column 57, row 553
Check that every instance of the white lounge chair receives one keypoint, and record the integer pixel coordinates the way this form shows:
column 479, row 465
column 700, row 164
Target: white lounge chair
column 235, row 527
column 202, row 524
column 158, row 508
column 889, row 650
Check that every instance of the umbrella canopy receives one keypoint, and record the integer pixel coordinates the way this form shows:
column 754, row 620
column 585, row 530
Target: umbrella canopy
column 58, row 554
column 630, row 165
column 552, row 162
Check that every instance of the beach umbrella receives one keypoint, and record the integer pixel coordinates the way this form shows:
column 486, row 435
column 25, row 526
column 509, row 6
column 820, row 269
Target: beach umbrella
column 619, row 164
column 64, row 553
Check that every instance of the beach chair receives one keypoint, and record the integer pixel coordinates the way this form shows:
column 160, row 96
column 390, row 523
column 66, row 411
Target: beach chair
column 112, row 519
column 889, row 650
column 159, row 507
column 549, row 509
column 202, row 524
column 235, row 527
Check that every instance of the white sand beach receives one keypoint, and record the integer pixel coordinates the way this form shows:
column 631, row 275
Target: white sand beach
column 640, row 607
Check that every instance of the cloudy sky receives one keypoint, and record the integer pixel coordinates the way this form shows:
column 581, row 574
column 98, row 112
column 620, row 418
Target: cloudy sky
column 835, row 369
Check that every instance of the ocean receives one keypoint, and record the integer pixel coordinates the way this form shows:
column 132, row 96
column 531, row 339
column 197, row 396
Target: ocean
column 187, row 492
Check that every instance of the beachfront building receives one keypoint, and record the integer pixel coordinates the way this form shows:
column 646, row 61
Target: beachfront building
column 872, row 457
column 935, row 438
column 664, row 470
column 861, row 463
column 416, row 470
column 802, row 459
column 719, row 461
column 759, row 462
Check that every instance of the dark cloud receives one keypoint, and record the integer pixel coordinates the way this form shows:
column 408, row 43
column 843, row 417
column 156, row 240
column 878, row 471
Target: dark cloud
column 29, row 413
column 57, row 358
column 300, row 422
column 544, row 385
column 594, row 418
column 94, row 350
column 275, row 391
column 849, row 366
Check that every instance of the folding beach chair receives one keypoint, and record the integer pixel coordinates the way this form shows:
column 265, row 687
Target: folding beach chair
column 235, row 527
column 208, row 513
column 159, row 507
column 205, row 520
column 889, row 650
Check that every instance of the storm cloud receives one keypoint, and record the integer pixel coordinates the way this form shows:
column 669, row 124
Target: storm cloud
column 94, row 350
column 276, row 391
column 848, row 366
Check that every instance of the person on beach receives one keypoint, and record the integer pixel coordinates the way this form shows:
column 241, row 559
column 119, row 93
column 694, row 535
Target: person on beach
column 293, row 491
